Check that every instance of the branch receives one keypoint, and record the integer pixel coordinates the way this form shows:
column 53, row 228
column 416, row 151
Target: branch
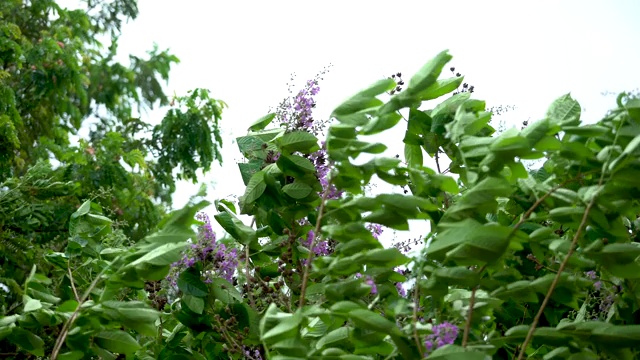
column 67, row 326
column 73, row 286
column 316, row 235
column 536, row 319
column 246, row 259
column 416, row 303
column 472, row 303
column 525, row 217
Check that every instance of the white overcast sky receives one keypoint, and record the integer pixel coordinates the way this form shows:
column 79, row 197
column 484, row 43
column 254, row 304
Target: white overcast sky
column 522, row 53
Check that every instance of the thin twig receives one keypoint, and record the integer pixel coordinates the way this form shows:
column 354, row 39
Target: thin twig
column 316, row 235
column 472, row 303
column 525, row 217
column 437, row 161
column 73, row 286
column 246, row 259
column 556, row 279
column 416, row 302
column 67, row 326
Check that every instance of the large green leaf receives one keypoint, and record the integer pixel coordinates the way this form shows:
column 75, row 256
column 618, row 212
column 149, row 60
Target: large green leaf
column 262, row 122
column 255, row 188
column 565, row 111
column 189, row 282
column 295, row 165
column 117, row 341
column 27, row 341
column 428, row 74
column 236, row 228
column 301, row 141
column 297, row 190
column 165, row 254
column 365, row 99
column 441, row 87
column 368, row 319
column 195, row 304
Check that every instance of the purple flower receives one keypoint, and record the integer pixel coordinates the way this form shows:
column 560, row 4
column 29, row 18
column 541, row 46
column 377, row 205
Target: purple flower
column 216, row 258
column 401, row 291
column 597, row 285
column 369, row 281
column 376, row 230
column 591, row 275
column 320, row 248
column 443, row 334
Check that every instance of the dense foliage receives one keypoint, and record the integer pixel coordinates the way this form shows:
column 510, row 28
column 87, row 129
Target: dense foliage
column 56, row 78
column 537, row 263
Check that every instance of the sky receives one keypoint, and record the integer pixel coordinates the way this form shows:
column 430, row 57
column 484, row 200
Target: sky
column 519, row 53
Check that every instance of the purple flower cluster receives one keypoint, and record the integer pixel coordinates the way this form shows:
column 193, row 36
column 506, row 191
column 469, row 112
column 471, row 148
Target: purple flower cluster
column 303, row 104
column 296, row 111
column 606, row 297
column 251, row 354
column 443, row 334
column 376, row 230
column 320, row 248
column 218, row 261
column 401, row 290
column 593, row 276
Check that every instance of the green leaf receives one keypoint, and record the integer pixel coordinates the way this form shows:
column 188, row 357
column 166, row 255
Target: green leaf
column 486, row 244
column 276, row 326
column 369, row 320
column 454, row 352
column 381, row 123
column 195, row 304
column 428, row 74
column 301, row 141
column 379, row 87
column 224, row 291
column 262, row 122
column 365, row 99
column 189, row 282
column 139, row 314
column 457, row 276
column 72, row 355
column 27, row 341
column 450, row 237
column 389, row 258
column 333, row 338
column 441, row 87
column 295, row 165
column 68, row 306
column 236, row 228
column 632, row 146
column 413, row 155
column 565, row 111
column 32, row 305
column 251, row 145
column 9, row 320
column 82, row 210
column 165, row 254
column 170, row 235
column 117, row 341
column 255, row 188
column 247, row 170
column 297, row 190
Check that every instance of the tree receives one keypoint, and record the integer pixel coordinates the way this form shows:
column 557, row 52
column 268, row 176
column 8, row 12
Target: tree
column 56, row 77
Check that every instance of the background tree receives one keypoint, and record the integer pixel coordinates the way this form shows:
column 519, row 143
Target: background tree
column 57, row 77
